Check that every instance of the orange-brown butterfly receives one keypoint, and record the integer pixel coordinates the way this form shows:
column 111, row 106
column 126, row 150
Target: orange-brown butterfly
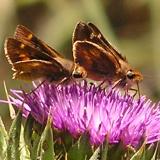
column 32, row 59
column 96, row 59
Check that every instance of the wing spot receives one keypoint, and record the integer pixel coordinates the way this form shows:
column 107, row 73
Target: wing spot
column 36, row 64
column 30, row 36
column 23, row 57
column 92, row 36
column 99, row 35
column 22, row 46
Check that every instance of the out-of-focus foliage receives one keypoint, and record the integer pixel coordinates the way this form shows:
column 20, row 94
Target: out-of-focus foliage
column 132, row 26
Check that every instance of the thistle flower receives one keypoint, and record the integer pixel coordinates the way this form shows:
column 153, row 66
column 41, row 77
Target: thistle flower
column 83, row 108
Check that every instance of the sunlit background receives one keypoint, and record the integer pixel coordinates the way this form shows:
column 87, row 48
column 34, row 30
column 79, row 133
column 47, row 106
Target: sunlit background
column 132, row 26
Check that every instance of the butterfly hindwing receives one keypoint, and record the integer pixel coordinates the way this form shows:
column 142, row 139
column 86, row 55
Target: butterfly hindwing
column 94, row 59
column 34, row 69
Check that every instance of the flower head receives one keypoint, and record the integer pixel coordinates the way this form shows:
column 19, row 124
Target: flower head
column 81, row 108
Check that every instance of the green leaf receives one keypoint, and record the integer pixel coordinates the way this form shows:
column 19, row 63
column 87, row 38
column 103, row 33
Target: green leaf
column 116, row 151
column 62, row 142
column 13, row 146
column 23, row 147
column 95, row 155
column 151, row 151
column 155, row 152
column 104, row 150
column 3, row 140
column 46, row 145
column 11, row 109
column 34, row 148
column 140, row 154
column 81, row 149
column 28, row 131
column 32, row 136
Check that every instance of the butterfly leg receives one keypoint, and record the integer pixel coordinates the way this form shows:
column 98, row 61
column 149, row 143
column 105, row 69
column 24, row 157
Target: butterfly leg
column 100, row 85
column 65, row 80
column 117, row 83
column 104, row 82
column 32, row 91
column 111, row 87
column 136, row 91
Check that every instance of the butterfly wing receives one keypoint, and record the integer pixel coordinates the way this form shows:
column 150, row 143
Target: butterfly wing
column 30, row 63
column 34, row 69
column 25, row 36
column 107, row 46
column 89, row 32
column 96, row 61
column 17, row 51
column 84, row 32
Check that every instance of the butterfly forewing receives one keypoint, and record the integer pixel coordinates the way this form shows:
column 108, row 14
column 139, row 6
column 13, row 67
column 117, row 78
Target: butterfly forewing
column 24, row 35
column 18, row 51
column 34, row 69
column 97, row 32
column 83, row 32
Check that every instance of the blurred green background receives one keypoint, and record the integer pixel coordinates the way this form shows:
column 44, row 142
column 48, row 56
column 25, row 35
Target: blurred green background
column 132, row 26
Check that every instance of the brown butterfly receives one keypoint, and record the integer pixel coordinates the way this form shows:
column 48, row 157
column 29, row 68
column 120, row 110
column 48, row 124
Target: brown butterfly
column 96, row 59
column 32, row 59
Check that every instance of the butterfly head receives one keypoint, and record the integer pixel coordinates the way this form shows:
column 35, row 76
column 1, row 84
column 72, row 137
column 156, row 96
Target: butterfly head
column 132, row 77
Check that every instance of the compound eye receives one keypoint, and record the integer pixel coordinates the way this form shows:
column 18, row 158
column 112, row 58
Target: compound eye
column 130, row 74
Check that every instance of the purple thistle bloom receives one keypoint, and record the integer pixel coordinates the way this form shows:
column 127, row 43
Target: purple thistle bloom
column 81, row 108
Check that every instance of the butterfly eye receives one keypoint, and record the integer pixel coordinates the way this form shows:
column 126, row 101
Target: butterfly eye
column 130, row 74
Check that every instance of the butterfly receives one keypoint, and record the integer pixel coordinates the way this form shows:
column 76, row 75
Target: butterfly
column 32, row 59
column 96, row 59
